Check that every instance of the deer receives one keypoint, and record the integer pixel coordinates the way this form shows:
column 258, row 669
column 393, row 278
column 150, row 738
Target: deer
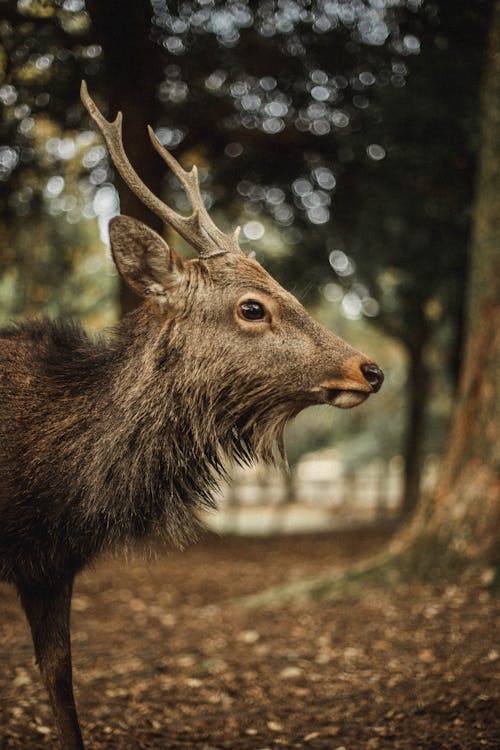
column 109, row 441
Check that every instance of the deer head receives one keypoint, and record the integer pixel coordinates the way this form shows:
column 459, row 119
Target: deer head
column 244, row 342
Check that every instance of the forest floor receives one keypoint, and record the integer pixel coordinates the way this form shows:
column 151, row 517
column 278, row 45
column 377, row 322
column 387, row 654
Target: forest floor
column 167, row 656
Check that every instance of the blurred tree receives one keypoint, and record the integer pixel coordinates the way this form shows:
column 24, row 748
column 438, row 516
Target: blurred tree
column 462, row 521
column 305, row 113
column 410, row 231
column 132, row 73
column 38, row 59
column 308, row 110
column 459, row 525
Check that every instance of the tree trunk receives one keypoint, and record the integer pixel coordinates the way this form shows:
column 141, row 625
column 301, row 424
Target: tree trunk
column 460, row 524
column 417, row 396
column 132, row 73
column 463, row 517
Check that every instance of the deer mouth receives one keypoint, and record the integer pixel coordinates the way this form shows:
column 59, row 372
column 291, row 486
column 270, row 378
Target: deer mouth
column 353, row 387
column 343, row 399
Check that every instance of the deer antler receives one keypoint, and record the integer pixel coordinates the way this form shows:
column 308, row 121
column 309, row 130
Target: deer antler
column 198, row 228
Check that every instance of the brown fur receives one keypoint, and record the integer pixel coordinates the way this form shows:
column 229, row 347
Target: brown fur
column 106, row 442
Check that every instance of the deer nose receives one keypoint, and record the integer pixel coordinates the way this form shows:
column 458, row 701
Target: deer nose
column 373, row 376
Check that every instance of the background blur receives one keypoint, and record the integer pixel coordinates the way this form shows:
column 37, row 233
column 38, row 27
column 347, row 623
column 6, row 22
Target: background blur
column 342, row 136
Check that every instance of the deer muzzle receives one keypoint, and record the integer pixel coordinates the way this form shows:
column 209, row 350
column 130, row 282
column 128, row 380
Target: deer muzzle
column 359, row 378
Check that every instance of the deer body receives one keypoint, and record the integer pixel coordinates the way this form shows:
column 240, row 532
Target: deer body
column 103, row 443
column 78, row 462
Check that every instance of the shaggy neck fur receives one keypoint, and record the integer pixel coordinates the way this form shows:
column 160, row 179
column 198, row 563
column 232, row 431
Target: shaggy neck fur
column 128, row 440
column 150, row 432
column 174, row 429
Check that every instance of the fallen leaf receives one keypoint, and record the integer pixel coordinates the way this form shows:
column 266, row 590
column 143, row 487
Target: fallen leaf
column 289, row 672
column 311, row 736
column 275, row 726
column 427, row 656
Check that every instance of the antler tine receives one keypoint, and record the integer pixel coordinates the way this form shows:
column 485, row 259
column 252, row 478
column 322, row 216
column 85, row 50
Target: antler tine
column 198, row 229
column 191, row 184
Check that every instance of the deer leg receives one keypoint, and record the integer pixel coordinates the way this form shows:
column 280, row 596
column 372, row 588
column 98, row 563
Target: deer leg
column 48, row 613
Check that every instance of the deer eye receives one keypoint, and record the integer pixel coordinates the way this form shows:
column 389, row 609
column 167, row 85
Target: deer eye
column 252, row 310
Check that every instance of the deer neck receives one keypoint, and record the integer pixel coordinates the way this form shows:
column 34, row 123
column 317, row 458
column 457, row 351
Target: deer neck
column 166, row 438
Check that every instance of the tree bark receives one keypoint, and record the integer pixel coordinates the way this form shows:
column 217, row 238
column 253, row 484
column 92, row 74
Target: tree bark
column 459, row 525
column 418, row 386
column 463, row 517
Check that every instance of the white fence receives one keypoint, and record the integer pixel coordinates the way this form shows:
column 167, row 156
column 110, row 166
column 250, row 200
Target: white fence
column 321, row 493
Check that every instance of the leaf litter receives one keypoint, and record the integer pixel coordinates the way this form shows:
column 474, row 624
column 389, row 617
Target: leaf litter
column 166, row 656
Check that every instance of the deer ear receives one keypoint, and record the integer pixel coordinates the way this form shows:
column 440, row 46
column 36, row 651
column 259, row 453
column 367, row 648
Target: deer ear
column 144, row 259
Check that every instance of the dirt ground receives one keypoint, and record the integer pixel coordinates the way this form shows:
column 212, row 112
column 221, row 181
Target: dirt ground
column 167, row 657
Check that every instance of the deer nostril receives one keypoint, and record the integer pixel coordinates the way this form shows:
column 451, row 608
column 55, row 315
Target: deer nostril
column 373, row 376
